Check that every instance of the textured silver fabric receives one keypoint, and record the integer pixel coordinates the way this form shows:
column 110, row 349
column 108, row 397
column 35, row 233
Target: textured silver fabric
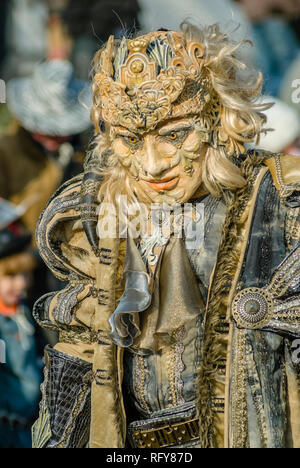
column 67, row 391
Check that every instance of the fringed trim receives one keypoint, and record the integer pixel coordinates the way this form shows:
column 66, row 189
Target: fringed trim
column 214, row 350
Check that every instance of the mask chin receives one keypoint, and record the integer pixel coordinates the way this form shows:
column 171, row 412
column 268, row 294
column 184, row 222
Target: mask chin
column 168, row 198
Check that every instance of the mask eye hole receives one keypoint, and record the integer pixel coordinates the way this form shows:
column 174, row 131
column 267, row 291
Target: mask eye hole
column 172, row 136
column 132, row 140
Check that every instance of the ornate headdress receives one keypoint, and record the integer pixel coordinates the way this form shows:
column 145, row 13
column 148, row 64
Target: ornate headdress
column 151, row 78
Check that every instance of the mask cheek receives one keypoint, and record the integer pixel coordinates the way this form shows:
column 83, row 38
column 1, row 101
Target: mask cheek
column 120, row 149
column 192, row 143
column 166, row 149
column 122, row 152
column 135, row 166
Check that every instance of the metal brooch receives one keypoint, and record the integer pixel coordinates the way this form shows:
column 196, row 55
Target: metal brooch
column 253, row 308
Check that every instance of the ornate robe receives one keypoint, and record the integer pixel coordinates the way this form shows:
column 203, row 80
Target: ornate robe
column 245, row 373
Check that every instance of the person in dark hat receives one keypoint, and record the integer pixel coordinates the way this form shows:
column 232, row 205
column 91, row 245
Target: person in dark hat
column 34, row 159
column 20, row 364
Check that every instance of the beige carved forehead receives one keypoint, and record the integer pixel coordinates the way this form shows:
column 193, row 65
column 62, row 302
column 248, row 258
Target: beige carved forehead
column 163, row 127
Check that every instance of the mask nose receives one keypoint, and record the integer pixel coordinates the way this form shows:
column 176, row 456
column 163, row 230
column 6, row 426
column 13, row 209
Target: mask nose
column 154, row 164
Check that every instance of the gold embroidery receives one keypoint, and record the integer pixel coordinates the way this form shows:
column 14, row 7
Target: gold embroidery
column 89, row 188
column 292, row 227
column 171, row 373
column 285, row 275
column 239, row 436
column 279, row 173
column 141, row 383
column 77, row 336
column 176, row 366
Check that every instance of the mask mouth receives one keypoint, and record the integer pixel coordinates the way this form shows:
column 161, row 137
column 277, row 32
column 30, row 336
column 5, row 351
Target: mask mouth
column 160, row 180
column 166, row 176
column 164, row 184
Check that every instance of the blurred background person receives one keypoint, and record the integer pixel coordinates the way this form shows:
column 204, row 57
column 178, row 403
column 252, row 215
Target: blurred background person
column 25, row 25
column 38, row 155
column 170, row 14
column 271, row 25
column 45, row 143
column 284, row 122
column 25, row 38
column 258, row 10
column 91, row 22
column 275, row 26
column 21, row 374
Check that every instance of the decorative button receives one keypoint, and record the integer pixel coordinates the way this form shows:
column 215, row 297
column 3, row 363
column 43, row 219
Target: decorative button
column 137, row 67
column 252, row 308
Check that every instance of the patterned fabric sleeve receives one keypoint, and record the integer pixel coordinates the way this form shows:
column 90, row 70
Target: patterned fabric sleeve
column 65, row 409
column 64, row 420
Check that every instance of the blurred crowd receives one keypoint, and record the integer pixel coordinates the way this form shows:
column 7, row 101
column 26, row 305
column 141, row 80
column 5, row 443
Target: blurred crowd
column 46, row 52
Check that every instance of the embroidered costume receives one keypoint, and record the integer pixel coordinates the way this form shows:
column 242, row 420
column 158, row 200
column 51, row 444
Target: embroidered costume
column 164, row 343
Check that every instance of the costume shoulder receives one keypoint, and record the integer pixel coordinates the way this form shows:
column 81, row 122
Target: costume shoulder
column 285, row 171
column 60, row 237
column 64, row 247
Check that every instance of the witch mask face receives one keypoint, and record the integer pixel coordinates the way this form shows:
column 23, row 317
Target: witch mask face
column 164, row 165
column 153, row 94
